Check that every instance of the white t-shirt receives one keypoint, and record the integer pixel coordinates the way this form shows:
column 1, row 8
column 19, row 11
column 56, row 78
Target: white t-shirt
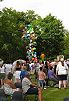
column 16, row 75
column 31, row 65
column 8, row 68
column 26, row 84
column 62, row 70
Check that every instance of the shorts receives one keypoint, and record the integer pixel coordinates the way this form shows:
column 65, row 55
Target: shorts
column 41, row 83
column 62, row 77
column 32, row 90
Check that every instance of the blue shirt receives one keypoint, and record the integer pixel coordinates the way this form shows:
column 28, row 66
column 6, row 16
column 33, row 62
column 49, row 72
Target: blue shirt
column 22, row 74
column 50, row 73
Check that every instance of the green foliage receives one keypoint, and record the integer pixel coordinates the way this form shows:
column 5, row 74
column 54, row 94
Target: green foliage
column 49, row 33
column 51, row 37
column 12, row 25
column 10, row 37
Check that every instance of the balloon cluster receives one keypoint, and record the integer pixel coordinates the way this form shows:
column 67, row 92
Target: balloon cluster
column 28, row 33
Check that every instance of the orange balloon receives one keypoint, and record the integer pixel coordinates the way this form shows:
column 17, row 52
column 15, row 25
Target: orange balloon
column 42, row 55
column 32, row 58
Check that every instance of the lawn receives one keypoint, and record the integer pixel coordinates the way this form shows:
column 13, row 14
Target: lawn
column 55, row 94
column 52, row 94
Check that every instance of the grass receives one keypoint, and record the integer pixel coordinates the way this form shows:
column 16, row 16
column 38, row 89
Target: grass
column 52, row 94
column 55, row 94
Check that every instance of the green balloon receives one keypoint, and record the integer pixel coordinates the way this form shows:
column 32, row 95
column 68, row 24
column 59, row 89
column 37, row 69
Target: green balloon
column 34, row 48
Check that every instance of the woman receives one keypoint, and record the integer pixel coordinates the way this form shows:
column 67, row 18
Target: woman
column 61, row 71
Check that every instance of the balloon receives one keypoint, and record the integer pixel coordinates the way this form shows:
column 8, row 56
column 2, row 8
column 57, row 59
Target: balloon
column 33, row 59
column 34, row 55
column 34, row 52
column 34, row 48
column 36, row 59
column 42, row 56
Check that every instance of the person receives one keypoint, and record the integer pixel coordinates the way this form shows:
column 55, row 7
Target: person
column 41, row 77
column 29, row 88
column 61, row 71
column 52, row 76
column 2, row 74
column 17, row 72
column 67, row 62
column 8, row 68
column 37, row 67
column 9, row 86
column 16, row 65
column 23, row 72
column 46, row 72
column 31, row 66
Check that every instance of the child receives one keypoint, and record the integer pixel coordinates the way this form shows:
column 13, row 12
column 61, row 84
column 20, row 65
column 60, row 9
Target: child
column 41, row 77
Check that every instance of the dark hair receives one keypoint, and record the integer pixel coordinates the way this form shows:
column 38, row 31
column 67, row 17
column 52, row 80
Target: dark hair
column 27, row 75
column 40, row 68
column 17, row 63
column 10, row 75
column 51, row 68
column 46, row 65
column 18, row 69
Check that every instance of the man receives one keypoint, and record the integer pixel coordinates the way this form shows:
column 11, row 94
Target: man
column 30, row 88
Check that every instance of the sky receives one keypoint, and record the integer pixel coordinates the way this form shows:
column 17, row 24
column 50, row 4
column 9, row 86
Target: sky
column 57, row 8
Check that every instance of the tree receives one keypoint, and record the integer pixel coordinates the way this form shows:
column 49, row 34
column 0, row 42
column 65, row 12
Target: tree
column 50, row 40
column 12, row 26
column 1, row 0
column 10, row 37
column 49, row 33
column 66, row 44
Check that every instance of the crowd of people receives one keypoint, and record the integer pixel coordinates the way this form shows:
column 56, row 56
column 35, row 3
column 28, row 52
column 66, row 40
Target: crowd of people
column 16, row 76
